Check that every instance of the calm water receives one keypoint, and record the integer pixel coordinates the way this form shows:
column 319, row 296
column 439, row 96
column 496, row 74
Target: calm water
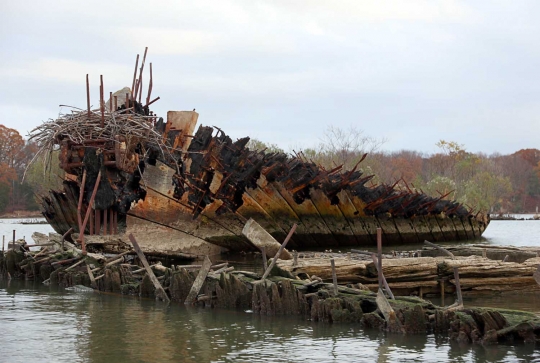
column 41, row 324
column 48, row 324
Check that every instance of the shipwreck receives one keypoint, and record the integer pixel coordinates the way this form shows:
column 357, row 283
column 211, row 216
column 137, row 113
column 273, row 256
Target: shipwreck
column 188, row 191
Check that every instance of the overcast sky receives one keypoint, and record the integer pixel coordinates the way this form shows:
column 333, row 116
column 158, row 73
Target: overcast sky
column 413, row 72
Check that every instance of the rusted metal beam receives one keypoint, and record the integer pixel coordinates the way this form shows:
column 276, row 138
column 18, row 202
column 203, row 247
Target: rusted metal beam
column 89, row 209
column 134, row 78
column 105, row 230
column 79, row 205
column 88, row 95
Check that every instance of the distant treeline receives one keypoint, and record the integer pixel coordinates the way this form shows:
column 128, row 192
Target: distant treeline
column 491, row 183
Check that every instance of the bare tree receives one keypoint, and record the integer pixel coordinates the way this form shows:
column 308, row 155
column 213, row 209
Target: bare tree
column 347, row 146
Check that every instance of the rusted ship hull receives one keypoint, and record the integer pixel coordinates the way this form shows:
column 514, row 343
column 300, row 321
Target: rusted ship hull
column 201, row 207
column 180, row 191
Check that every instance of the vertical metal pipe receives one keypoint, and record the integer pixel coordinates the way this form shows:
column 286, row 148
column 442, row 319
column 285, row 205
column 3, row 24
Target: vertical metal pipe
column 3, row 243
column 13, row 236
column 111, row 221
column 134, row 76
column 115, row 222
column 105, row 232
column 91, row 222
column 79, row 205
column 88, row 95
column 98, row 221
column 101, row 103
column 88, row 211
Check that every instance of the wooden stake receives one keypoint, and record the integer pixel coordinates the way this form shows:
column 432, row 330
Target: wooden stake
column 379, row 257
column 458, row 287
column 278, row 253
column 65, row 235
column 442, row 292
column 199, row 281
column 264, row 259
column 334, row 276
column 160, row 292
column 75, row 265
column 385, row 283
column 91, row 275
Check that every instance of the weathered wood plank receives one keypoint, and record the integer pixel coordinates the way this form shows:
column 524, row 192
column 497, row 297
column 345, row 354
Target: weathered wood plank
column 160, row 292
column 199, row 281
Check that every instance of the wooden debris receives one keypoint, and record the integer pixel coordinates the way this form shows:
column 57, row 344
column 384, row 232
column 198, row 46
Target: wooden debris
column 160, row 292
column 199, row 281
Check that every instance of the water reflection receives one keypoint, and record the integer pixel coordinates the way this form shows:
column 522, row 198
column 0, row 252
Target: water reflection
column 39, row 324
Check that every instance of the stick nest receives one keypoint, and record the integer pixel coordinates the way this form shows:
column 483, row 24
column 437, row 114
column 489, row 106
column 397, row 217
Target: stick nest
column 78, row 126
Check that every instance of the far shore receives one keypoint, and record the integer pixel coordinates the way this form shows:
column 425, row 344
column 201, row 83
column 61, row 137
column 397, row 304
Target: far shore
column 22, row 214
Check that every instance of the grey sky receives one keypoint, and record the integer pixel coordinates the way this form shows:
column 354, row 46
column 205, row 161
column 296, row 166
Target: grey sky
column 413, row 72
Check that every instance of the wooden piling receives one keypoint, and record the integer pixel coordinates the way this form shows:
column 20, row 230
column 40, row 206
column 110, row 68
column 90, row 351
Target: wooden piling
column 199, row 281
column 334, row 276
column 442, row 291
column 264, row 258
column 379, row 257
column 458, row 287
column 160, row 292
column 276, row 257
column 91, row 275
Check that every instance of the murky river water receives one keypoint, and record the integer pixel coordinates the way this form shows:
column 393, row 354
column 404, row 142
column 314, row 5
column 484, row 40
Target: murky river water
column 48, row 324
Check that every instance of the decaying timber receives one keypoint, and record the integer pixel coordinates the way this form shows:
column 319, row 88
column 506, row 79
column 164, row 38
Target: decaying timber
column 187, row 192
column 427, row 276
column 311, row 299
